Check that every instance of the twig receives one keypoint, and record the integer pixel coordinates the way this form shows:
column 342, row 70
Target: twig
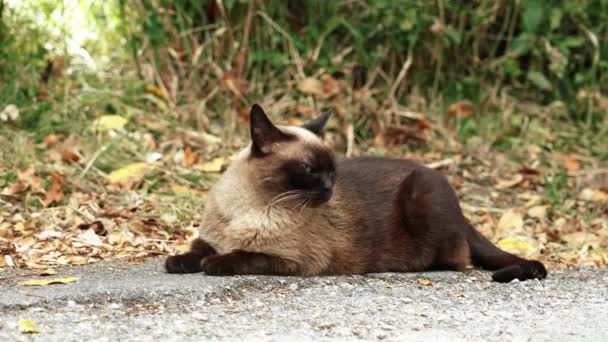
column 240, row 60
column 93, row 159
column 350, row 137
column 402, row 73
column 441, row 163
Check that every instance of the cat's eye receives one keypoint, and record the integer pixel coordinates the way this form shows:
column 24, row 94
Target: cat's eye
column 307, row 167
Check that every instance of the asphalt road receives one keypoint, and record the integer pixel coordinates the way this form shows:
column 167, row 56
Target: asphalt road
column 123, row 302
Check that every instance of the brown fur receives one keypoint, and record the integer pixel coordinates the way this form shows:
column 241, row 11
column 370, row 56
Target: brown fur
column 384, row 216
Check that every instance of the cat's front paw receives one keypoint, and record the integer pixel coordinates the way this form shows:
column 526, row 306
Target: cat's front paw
column 219, row 265
column 183, row 263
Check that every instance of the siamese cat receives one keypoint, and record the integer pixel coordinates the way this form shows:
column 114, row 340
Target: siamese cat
column 287, row 206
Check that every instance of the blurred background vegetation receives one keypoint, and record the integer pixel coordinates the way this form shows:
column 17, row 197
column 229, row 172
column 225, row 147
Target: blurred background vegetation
column 117, row 116
column 401, row 75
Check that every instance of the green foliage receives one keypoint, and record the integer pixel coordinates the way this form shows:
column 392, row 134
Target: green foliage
column 541, row 51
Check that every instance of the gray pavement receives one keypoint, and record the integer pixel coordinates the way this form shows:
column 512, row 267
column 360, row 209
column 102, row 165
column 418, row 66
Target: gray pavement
column 119, row 301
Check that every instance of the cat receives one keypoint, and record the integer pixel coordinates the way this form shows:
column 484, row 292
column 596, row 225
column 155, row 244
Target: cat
column 286, row 206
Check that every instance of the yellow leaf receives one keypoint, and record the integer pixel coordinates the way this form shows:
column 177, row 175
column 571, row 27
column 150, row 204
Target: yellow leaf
column 182, row 190
column 109, row 122
column 44, row 282
column 514, row 245
column 48, row 272
column 424, row 282
column 510, row 221
column 130, row 172
column 27, row 326
column 154, row 90
column 213, row 166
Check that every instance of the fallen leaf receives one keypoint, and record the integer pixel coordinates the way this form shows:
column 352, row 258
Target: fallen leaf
column 304, row 110
column 592, row 195
column 152, row 157
column 311, row 86
column 506, row 184
column 97, row 226
column 398, row 135
column 461, row 109
column 211, row 139
column 424, row 282
column 230, row 81
column 580, row 239
column 423, row 124
column 55, row 192
column 154, row 90
column 330, row 85
column 190, row 158
column 131, row 172
column 514, row 245
column 89, row 237
column 538, row 212
column 182, row 190
column 295, row 121
column 27, row 326
column 9, row 113
column 27, row 179
column 510, row 221
column 45, row 282
column 109, row 122
column 70, row 150
column 214, row 165
column 571, row 164
column 51, row 140
column 8, row 260
column 528, row 171
column 49, row 271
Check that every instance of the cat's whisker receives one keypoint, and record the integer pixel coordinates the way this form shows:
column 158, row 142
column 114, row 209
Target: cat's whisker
column 294, row 194
column 300, row 205
column 305, row 205
column 264, row 180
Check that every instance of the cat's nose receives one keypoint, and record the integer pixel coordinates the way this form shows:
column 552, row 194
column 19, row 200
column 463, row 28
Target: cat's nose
column 327, row 182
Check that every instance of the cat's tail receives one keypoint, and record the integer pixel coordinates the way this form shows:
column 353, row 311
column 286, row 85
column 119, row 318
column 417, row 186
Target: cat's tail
column 507, row 266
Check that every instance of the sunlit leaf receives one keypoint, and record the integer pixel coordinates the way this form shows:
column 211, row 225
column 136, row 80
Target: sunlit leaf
column 45, row 282
column 154, row 90
column 424, row 282
column 538, row 211
column 514, row 245
column 109, row 122
column 27, row 326
column 130, row 172
column 9, row 113
column 311, row 86
column 214, row 165
column 510, row 221
column 592, row 195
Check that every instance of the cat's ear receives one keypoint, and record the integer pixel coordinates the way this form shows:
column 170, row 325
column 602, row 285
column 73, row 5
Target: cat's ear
column 263, row 132
column 316, row 125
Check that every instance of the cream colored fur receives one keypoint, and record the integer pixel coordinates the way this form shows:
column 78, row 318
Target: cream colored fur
column 238, row 217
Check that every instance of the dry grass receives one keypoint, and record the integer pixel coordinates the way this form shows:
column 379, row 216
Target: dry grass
column 530, row 177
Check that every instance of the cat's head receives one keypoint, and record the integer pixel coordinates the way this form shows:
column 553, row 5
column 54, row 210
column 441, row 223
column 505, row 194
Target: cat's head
column 290, row 165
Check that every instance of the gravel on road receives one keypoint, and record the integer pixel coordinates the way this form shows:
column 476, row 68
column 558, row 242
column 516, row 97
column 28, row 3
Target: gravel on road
column 115, row 301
